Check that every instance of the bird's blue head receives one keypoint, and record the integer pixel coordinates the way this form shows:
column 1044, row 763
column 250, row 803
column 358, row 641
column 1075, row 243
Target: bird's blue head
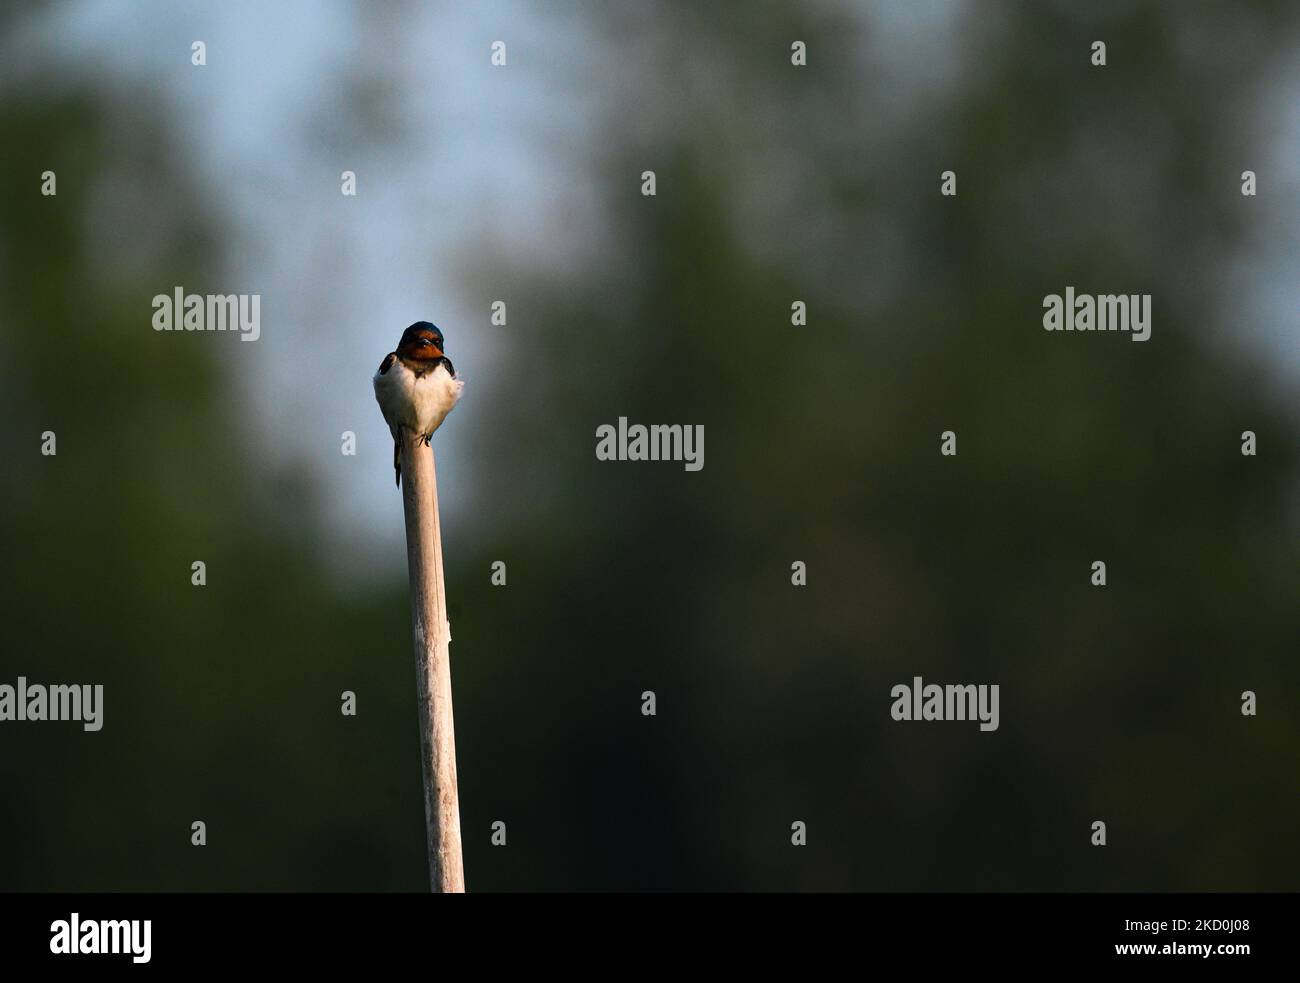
column 421, row 342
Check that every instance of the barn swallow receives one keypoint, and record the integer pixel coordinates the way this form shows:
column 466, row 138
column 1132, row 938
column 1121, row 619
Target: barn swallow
column 416, row 386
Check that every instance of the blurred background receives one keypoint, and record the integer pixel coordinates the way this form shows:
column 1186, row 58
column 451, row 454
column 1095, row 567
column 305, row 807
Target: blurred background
column 775, row 183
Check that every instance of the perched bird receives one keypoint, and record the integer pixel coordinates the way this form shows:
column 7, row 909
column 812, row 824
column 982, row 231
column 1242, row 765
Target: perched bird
column 416, row 386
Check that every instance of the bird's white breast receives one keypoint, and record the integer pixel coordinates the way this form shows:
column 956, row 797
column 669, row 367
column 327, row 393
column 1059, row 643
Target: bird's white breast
column 419, row 403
